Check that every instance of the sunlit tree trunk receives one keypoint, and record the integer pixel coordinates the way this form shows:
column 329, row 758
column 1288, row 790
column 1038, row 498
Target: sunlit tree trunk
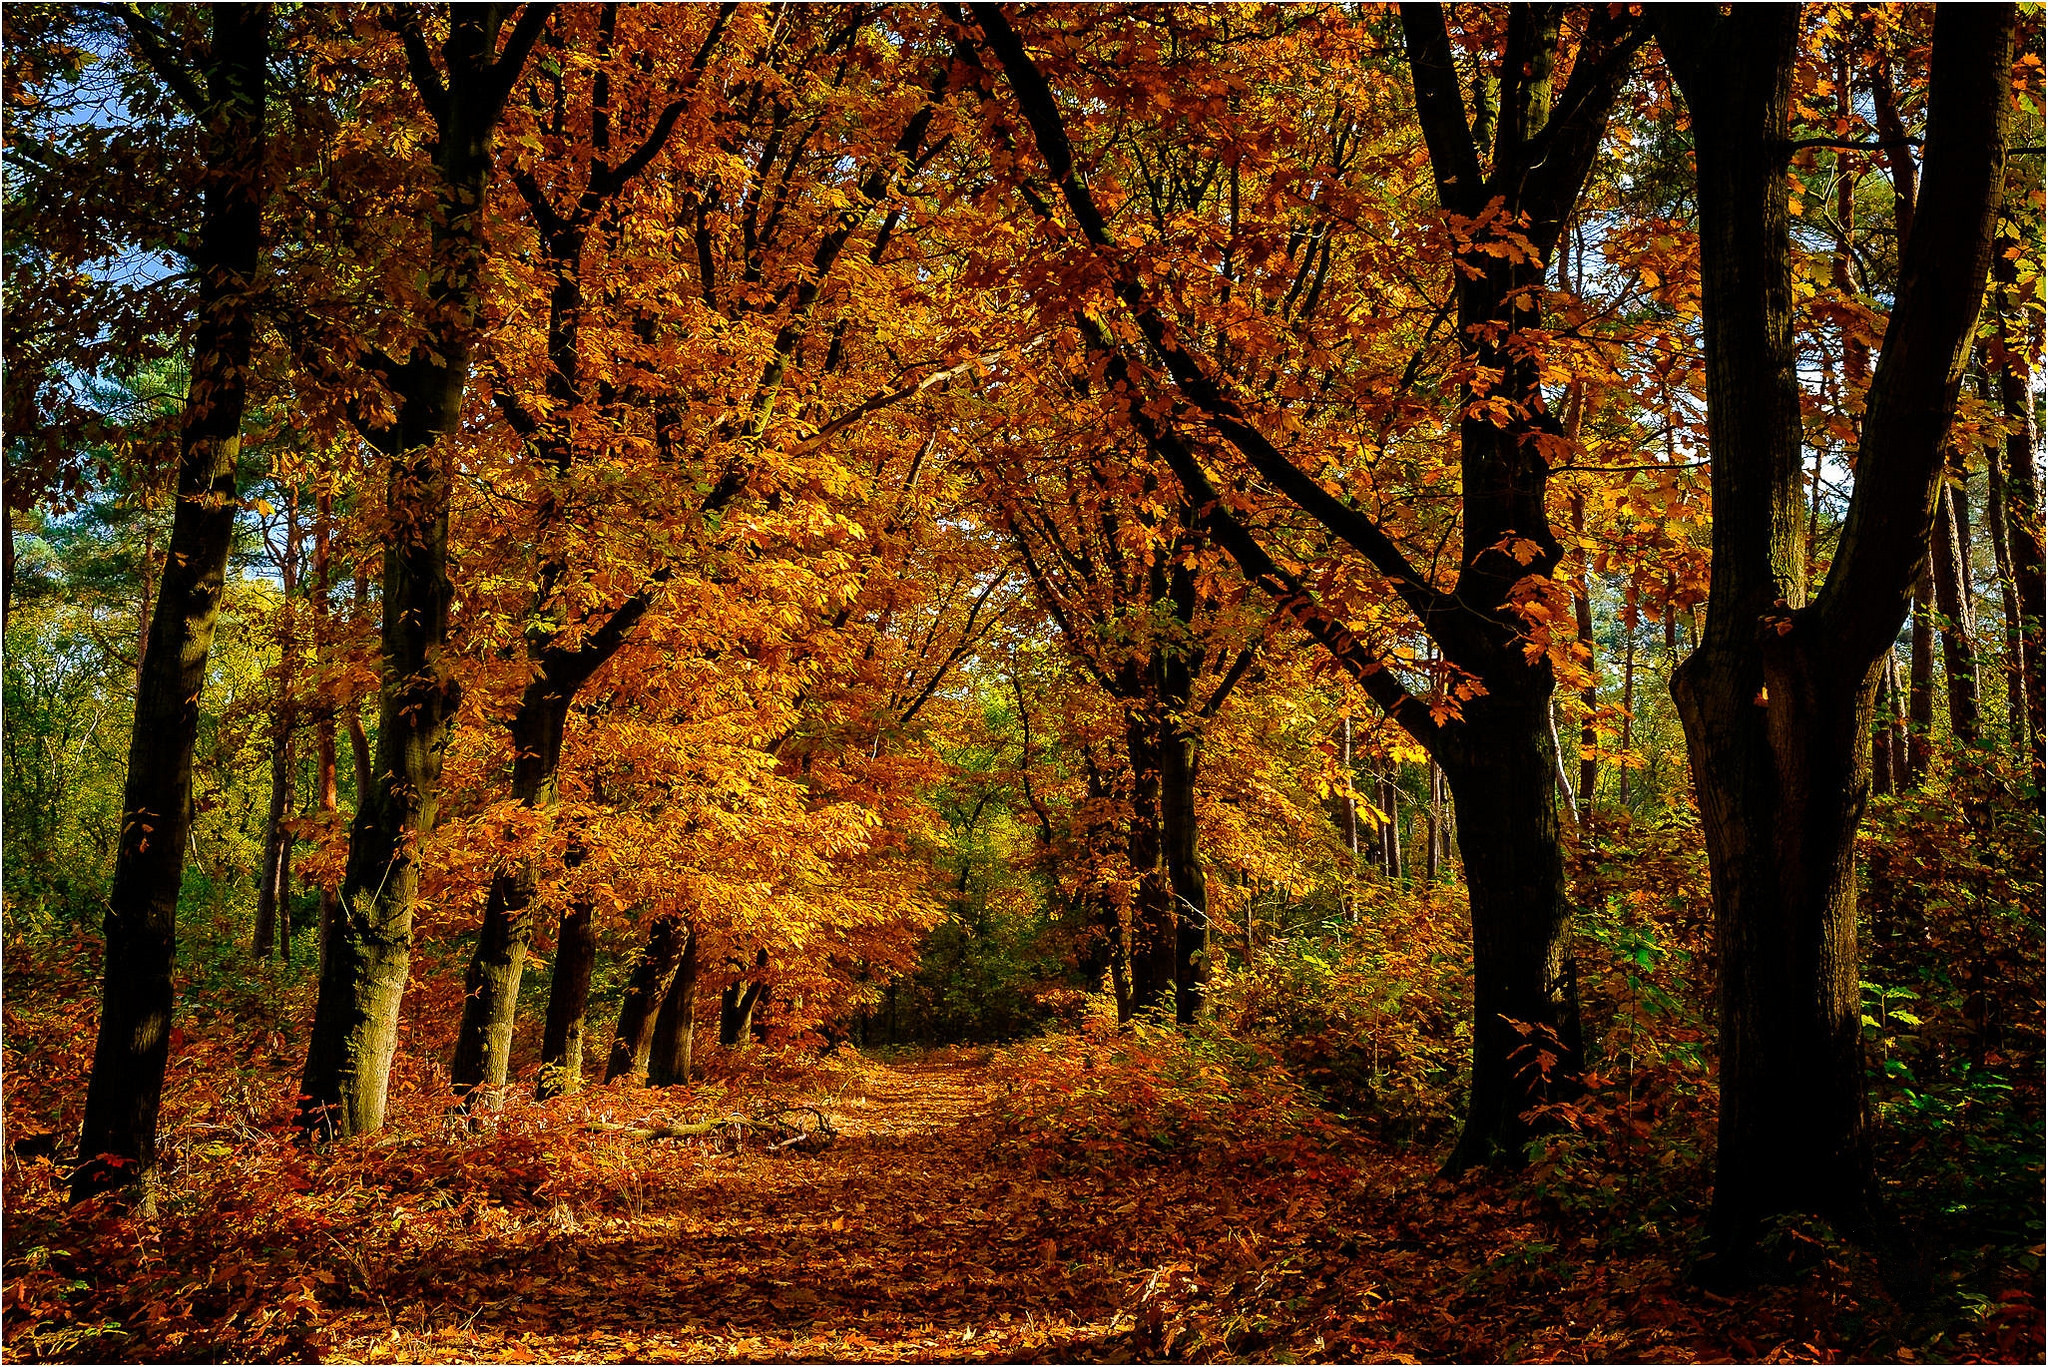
column 117, row 1144
column 368, row 953
column 1949, row 554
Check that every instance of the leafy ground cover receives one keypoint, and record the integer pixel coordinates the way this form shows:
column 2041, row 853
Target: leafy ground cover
column 1092, row 1197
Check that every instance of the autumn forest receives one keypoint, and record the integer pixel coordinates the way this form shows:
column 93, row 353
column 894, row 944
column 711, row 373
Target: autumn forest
column 1023, row 682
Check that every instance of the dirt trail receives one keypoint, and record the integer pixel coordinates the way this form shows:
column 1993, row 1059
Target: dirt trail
column 904, row 1240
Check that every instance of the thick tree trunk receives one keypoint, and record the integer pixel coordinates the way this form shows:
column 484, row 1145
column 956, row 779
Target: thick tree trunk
column 633, row 1040
column 1776, row 700
column 1950, row 570
column 561, row 1049
column 118, row 1142
column 1526, row 1047
column 675, row 1027
column 369, row 944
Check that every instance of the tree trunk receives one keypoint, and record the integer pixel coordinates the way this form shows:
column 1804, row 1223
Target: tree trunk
column 1503, row 783
column 1433, row 867
column 1154, row 928
column 273, row 888
column 369, row 945
column 1947, row 552
column 2023, row 503
column 1920, row 686
column 1896, row 720
column 1181, row 832
column 652, row 972
column 2018, row 726
column 1390, row 801
column 273, row 894
column 561, row 1050
column 675, row 1027
column 326, row 789
column 1776, row 700
column 1881, row 731
column 490, row 1005
column 117, row 1144
column 483, row 1045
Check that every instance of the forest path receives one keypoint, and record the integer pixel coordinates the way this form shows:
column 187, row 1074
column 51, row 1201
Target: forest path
column 905, row 1240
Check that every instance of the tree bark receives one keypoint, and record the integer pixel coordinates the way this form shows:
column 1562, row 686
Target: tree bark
column 1181, row 831
column 1776, row 699
column 2023, row 525
column 1920, row 686
column 1948, row 552
column 117, row 1144
column 490, row 1004
column 1881, row 731
column 326, row 789
column 561, row 1050
column 1153, row 925
column 273, row 892
column 633, row 1040
column 675, row 1026
column 2018, row 724
column 369, row 944
column 1503, row 781
column 1544, row 147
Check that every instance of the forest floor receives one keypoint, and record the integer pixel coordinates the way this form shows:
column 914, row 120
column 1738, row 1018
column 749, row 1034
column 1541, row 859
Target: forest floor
column 1096, row 1197
column 898, row 1242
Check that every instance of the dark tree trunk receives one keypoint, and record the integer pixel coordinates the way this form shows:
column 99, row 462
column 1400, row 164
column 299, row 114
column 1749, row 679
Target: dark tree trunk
column 1546, row 140
column 1154, row 929
column 1181, row 831
column 369, row 944
column 1504, row 782
column 633, row 1041
column 1948, row 552
column 1776, row 700
column 736, row 1012
column 118, row 1142
column 273, row 886
column 561, row 1049
column 675, row 1027
column 326, row 790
